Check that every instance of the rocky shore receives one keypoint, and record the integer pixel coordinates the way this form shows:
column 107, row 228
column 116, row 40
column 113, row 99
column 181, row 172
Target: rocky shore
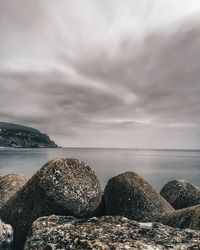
column 63, row 207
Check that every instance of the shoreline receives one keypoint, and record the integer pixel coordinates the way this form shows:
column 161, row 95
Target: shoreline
column 63, row 204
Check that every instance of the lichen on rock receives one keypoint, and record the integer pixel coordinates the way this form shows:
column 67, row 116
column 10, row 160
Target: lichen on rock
column 182, row 218
column 63, row 186
column 129, row 195
column 105, row 233
column 181, row 194
column 6, row 236
column 9, row 185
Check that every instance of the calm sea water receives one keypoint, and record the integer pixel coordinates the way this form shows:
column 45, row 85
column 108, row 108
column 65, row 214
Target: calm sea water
column 157, row 167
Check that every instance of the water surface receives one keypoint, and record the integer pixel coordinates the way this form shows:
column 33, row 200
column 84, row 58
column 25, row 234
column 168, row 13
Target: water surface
column 156, row 166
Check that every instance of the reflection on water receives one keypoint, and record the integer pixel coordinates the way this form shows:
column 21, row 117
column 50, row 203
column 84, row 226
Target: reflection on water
column 155, row 166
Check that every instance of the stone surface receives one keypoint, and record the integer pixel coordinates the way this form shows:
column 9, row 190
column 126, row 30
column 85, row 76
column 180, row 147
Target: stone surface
column 6, row 236
column 131, row 196
column 18, row 136
column 181, row 194
column 182, row 218
column 106, row 233
column 62, row 186
column 9, row 185
column 101, row 210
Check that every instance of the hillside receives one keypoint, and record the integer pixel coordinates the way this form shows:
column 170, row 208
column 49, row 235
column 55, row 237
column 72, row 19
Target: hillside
column 18, row 136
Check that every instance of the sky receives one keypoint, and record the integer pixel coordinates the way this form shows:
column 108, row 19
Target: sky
column 99, row 73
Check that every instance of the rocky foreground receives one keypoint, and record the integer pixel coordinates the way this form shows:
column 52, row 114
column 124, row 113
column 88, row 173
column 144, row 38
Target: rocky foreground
column 17, row 136
column 63, row 207
column 107, row 232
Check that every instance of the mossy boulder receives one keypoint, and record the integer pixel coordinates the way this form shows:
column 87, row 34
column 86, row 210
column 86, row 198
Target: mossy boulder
column 181, row 194
column 129, row 195
column 62, row 186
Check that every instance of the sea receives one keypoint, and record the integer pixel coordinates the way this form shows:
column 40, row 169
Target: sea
column 156, row 166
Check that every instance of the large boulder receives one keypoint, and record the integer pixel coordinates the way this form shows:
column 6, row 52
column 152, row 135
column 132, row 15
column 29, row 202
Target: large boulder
column 62, row 186
column 131, row 196
column 182, row 218
column 105, row 233
column 9, row 185
column 6, row 236
column 181, row 194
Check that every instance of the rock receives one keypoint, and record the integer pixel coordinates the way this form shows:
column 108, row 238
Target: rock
column 182, row 218
column 9, row 185
column 131, row 196
column 6, row 236
column 181, row 194
column 62, row 186
column 101, row 210
column 107, row 232
column 18, row 136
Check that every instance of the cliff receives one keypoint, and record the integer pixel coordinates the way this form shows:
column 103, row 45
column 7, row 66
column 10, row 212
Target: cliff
column 17, row 136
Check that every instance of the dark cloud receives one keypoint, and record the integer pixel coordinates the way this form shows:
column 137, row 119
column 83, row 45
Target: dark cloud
column 45, row 100
column 164, row 73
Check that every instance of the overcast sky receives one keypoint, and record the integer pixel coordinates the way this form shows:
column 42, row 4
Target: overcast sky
column 103, row 73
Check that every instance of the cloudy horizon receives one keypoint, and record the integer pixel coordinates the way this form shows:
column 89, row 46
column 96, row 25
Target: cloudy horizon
column 103, row 73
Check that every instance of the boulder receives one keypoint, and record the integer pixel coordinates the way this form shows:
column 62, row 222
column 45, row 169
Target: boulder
column 129, row 195
column 6, row 236
column 9, row 185
column 182, row 218
column 105, row 233
column 181, row 194
column 62, row 186
column 101, row 210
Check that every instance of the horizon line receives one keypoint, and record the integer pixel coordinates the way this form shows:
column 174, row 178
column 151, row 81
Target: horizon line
column 148, row 149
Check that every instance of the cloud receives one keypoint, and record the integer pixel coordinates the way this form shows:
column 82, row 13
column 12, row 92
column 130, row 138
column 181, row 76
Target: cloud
column 123, row 79
column 59, row 97
column 163, row 72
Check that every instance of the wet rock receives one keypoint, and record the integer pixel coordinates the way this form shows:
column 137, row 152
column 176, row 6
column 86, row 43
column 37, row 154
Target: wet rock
column 6, row 236
column 105, row 233
column 131, row 196
column 181, row 194
column 9, row 185
column 62, row 186
column 182, row 218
